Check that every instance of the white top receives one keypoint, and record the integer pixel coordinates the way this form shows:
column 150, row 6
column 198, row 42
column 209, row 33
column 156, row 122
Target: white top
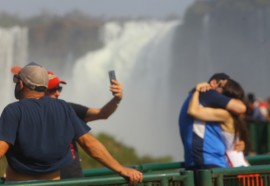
column 228, row 139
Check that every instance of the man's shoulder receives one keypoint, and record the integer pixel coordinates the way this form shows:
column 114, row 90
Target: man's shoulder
column 48, row 99
column 12, row 106
column 212, row 98
column 77, row 106
column 203, row 95
column 210, row 93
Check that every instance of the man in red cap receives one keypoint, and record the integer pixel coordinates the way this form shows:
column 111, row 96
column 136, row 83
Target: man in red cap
column 54, row 81
column 86, row 114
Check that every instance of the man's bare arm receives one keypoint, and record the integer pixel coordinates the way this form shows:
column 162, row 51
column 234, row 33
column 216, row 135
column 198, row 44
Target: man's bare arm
column 109, row 108
column 97, row 150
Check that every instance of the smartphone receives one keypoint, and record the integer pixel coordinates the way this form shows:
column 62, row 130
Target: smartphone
column 112, row 75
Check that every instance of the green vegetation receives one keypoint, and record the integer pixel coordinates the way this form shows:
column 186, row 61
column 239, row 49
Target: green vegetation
column 7, row 20
column 124, row 154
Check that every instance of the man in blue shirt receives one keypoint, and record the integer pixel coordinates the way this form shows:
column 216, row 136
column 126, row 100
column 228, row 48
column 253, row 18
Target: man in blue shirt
column 203, row 144
column 35, row 133
column 74, row 170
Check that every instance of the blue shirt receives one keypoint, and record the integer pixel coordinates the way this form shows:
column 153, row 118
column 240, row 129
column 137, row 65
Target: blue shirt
column 39, row 132
column 203, row 144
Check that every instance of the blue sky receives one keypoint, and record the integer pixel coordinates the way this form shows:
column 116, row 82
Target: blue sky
column 107, row 8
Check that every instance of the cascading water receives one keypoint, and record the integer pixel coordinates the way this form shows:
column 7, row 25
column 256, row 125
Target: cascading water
column 13, row 51
column 140, row 53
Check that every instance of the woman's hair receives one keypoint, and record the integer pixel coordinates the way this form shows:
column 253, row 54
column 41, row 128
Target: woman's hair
column 233, row 89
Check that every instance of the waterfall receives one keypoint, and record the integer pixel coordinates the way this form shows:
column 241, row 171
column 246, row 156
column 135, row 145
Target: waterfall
column 13, row 51
column 140, row 53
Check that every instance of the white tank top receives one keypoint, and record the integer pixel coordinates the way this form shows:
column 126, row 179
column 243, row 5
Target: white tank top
column 228, row 138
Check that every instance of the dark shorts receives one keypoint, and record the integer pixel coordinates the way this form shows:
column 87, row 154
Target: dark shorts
column 73, row 170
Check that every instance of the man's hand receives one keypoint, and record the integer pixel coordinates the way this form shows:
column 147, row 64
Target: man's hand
column 239, row 146
column 93, row 147
column 116, row 89
column 132, row 175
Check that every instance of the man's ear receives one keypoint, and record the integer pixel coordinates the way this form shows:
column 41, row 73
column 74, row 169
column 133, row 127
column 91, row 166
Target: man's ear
column 21, row 84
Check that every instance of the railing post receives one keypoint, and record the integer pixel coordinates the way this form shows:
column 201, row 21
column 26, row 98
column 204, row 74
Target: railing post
column 164, row 182
column 220, row 180
column 189, row 179
column 253, row 137
column 205, row 177
column 268, row 138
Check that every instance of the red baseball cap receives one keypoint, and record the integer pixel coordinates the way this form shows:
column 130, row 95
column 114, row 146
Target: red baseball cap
column 54, row 81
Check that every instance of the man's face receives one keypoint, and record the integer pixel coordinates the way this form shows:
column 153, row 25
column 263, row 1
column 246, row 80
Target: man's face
column 218, row 85
column 55, row 92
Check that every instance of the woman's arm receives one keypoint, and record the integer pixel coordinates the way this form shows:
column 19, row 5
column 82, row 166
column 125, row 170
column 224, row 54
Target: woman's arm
column 205, row 113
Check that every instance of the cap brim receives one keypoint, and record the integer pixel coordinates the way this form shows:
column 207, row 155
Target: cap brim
column 63, row 82
column 16, row 70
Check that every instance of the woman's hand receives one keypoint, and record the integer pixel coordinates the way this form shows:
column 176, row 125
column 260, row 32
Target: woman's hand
column 202, row 87
column 239, row 146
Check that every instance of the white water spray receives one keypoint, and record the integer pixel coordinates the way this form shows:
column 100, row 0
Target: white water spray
column 13, row 51
column 140, row 53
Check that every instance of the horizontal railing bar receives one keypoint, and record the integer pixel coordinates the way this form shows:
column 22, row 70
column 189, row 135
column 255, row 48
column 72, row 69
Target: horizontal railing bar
column 105, row 180
column 242, row 170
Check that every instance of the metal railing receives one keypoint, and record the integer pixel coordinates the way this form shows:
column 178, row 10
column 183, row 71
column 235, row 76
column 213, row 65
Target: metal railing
column 150, row 179
column 172, row 173
column 257, row 175
column 259, row 137
column 149, row 167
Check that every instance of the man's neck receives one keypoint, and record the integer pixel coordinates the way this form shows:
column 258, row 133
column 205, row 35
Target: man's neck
column 32, row 94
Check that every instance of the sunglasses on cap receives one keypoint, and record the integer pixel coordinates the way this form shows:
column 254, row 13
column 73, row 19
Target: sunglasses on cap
column 59, row 89
column 16, row 79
